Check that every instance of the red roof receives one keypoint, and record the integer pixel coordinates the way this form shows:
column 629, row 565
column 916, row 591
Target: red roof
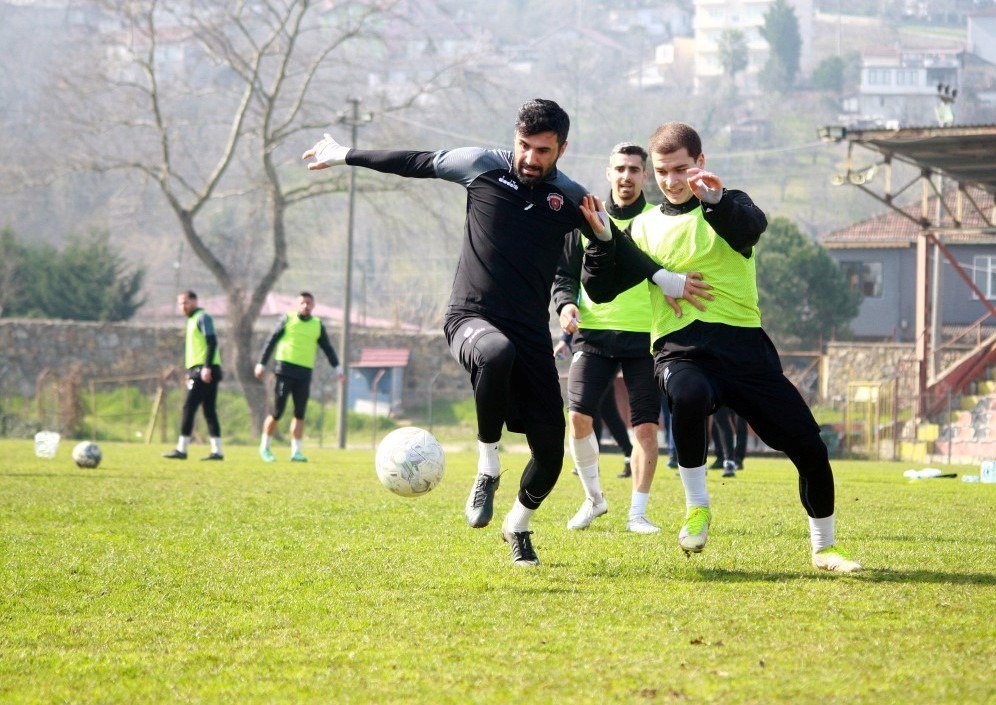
column 890, row 229
column 382, row 357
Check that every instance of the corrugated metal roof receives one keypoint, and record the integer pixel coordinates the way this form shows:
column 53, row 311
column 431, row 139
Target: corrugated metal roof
column 965, row 153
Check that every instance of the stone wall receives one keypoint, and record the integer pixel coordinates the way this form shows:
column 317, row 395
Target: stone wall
column 30, row 347
column 844, row 363
column 847, row 362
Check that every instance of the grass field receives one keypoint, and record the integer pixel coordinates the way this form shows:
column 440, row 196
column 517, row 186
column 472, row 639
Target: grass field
column 148, row 581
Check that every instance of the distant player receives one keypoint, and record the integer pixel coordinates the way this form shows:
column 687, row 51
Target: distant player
column 296, row 340
column 203, row 362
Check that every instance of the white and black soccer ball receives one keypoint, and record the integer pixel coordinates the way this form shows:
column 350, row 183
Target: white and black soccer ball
column 410, row 461
column 87, row 454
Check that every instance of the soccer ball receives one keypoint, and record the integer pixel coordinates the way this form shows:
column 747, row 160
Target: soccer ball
column 87, row 454
column 410, row 461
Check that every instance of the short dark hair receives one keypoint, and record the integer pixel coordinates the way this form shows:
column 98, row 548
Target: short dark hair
column 190, row 294
column 308, row 294
column 672, row 136
column 630, row 148
column 540, row 115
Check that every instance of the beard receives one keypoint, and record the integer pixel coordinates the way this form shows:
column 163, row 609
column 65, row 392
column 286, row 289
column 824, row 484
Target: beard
column 533, row 177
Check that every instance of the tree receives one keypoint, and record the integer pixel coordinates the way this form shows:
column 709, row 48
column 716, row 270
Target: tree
column 781, row 31
column 90, row 282
column 214, row 106
column 733, row 54
column 87, row 281
column 13, row 279
column 829, row 75
column 804, row 296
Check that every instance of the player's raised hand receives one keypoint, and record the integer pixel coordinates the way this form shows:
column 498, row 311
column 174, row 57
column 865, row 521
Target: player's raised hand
column 327, row 152
column 706, row 186
column 594, row 212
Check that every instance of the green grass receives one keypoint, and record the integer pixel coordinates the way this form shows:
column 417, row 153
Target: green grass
column 152, row 581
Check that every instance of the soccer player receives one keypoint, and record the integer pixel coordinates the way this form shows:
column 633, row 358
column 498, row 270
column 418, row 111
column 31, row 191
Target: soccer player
column 520, row 208
column 718, row 355
column 610, row 337
column 296, row 340
column 203, row 362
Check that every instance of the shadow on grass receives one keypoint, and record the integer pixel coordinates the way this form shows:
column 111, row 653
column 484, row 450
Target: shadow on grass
column 867, row 575
column 83, row 475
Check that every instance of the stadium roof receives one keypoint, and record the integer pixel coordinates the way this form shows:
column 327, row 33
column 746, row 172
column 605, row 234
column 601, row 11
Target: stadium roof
column 965, row 154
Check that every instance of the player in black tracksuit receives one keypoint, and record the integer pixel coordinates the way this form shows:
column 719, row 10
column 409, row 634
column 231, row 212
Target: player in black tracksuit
column 520, row 209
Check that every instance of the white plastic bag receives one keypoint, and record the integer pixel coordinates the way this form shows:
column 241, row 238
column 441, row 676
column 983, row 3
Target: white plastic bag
column 46, row 443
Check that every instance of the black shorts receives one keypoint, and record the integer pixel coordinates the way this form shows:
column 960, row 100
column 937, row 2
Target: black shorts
column 590, row 375
column 744, row 372
column 534, row 386
column 297, row 389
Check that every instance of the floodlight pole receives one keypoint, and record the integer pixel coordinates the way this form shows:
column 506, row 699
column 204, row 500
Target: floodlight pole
column 354, row 120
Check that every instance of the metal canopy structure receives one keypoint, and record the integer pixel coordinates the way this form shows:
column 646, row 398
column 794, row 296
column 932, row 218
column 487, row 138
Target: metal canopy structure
column 950, row 165
column 963, row 156
column 966, row 155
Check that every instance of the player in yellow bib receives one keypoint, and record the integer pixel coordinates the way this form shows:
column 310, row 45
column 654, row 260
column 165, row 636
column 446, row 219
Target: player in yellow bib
column 294, row 345
column 718, row 354
column 609, row 338
column 202, row 360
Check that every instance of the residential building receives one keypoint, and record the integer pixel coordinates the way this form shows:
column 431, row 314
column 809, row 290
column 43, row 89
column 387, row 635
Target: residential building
column 982, row 35
column 905, row 87
column 878, row 256
column 713, row 18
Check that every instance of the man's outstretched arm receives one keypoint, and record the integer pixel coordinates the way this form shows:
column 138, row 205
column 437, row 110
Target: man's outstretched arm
column 412, row 164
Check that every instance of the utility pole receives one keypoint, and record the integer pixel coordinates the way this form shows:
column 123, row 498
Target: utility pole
column 354, row 120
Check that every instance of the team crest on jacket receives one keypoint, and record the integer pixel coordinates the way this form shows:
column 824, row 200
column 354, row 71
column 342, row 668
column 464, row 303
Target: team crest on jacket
column 555, row 201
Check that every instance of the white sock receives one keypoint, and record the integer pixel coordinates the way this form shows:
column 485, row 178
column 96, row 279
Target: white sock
column 215, row 445
column 518, row 517
column 183, row 443
column 638, row 504
column 584, row 452
column 821, row 532
column 264, row 442
column 296, row 445
column 694, row 482
column 487, row 460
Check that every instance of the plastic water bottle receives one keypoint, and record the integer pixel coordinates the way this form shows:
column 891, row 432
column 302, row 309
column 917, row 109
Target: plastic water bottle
column 987, row 473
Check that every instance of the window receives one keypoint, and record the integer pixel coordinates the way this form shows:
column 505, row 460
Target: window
column 984, row 275
column 865, row 277
column 879, row 77
column 907, row 77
